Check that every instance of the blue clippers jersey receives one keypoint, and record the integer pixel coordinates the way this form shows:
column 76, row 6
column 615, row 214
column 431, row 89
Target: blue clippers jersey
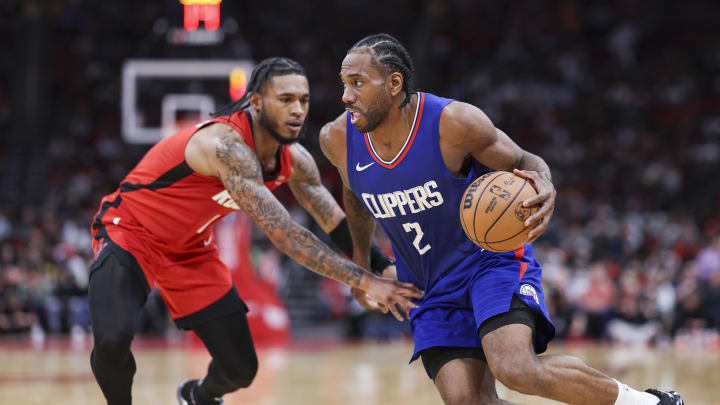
column 416, row 201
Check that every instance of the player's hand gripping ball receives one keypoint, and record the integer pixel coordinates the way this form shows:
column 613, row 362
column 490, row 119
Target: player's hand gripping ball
column 492, row 214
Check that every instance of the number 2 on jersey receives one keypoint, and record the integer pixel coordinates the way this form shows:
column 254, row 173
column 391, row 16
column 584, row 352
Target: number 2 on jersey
column 414, row 226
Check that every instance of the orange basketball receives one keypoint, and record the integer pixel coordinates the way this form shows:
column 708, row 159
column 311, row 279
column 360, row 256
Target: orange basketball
column 491, row 211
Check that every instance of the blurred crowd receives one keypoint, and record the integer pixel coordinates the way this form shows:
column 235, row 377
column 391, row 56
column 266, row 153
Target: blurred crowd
column 621, row 98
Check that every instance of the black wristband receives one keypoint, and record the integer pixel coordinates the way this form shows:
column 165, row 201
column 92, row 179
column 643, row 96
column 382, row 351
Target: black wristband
column 378, row 260
column 341, row 238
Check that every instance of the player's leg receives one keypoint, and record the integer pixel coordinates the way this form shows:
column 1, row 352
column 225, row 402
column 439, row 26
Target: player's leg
column 508, row 346
column 514, row 325
column 234, row 362
column 207, row 303
column 461, row 376
column 511, row 357
column 116, row 294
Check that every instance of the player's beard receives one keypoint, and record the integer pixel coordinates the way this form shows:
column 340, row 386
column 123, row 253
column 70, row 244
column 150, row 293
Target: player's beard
column 376, row 112
column 271, row 127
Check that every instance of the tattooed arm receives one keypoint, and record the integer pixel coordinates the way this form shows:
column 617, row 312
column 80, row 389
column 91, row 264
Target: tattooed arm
column 310, row 192
column 239, row 169
column 220, row 151
column 317, row 200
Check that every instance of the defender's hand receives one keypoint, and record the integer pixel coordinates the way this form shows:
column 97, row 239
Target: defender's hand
column 391, row 294
column 367, row 302
column 391, row 273
column 545, row 200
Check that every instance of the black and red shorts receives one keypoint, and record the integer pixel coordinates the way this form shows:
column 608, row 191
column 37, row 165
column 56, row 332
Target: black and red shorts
column 195, row 286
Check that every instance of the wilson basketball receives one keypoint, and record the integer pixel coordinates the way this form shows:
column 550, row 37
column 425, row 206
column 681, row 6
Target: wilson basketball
column 491, row 211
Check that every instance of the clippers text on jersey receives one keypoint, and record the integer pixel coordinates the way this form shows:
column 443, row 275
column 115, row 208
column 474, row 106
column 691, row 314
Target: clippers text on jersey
column 403, row 202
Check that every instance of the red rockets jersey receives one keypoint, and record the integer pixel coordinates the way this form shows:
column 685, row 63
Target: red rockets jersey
column 164, row 202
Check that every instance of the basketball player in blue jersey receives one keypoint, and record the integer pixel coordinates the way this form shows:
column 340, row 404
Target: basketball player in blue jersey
column 405, row 159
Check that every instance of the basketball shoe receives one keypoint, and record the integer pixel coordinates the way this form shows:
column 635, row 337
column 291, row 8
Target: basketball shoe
column 187, row 394
column 666, row 397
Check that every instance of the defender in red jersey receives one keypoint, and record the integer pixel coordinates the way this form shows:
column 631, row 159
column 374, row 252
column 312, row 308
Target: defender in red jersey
column 156, row 230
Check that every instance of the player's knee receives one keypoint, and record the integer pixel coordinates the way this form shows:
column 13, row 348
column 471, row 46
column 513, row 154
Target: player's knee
column 469, row 398
column 112, row 347
column 469, row 394
column 521, row 376
column 240, row 372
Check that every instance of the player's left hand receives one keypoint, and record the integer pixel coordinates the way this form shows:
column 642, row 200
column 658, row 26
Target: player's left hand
column 366, row 302
column 545, row 200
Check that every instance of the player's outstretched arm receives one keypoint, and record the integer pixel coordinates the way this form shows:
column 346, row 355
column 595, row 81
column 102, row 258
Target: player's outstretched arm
column 307, row 187
column 316, row 199
column 239, row 169
column 465, row 129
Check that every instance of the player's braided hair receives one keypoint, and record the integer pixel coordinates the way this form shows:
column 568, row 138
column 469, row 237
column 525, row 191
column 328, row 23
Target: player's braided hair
column 388, row 54
column 264, row 70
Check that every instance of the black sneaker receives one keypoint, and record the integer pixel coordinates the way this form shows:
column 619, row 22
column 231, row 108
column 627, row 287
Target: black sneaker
column 666, row 397
column 186, row 394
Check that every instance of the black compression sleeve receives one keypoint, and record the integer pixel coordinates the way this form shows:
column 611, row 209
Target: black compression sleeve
column 342, row 239
column 378, row 260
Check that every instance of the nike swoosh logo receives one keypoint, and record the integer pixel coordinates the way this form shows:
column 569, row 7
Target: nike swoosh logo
column 207, row 242
column 361, row 168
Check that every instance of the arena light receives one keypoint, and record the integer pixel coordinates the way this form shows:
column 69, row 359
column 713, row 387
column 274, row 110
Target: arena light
column 207, row 11
column 238, row 82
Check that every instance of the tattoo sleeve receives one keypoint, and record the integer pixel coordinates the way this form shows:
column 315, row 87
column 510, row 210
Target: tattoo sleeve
column 362, row 227
column 311, row 193
column 239, row 170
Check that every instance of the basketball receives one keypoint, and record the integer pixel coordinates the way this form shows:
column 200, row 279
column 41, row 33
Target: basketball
column 491, row 211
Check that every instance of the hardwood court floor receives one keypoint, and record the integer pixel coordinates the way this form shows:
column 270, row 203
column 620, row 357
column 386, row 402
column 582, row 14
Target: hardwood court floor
column 362, row 374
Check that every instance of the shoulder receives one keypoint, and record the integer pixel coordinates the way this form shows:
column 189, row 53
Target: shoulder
column 209, row 143
column 217, row 134
column 463, row 116
column 333, row 139
column 464, row 123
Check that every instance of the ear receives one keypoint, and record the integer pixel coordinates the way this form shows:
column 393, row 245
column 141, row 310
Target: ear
column 395, row 83
column 256, row 101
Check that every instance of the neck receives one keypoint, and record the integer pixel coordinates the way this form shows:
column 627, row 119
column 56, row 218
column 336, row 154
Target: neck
column 396, row 126
column 265, row 145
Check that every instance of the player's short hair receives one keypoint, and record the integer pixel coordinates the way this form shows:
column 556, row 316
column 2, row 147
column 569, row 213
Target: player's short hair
column 389, row 55
column 263, row 71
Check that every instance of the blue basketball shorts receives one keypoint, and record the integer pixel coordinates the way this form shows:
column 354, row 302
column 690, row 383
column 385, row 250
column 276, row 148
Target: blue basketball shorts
column 451, row 316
